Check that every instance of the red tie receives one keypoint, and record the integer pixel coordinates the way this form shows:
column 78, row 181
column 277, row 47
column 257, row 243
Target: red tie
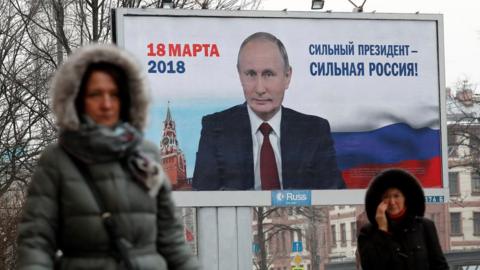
column 268, row 166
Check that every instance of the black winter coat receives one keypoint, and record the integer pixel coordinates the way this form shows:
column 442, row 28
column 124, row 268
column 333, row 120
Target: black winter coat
column 413, row 245
column 410, row 243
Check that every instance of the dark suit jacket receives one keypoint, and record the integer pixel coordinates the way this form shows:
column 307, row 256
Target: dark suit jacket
column 225, row 153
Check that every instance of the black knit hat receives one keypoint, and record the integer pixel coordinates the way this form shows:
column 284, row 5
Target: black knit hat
column 395, row 178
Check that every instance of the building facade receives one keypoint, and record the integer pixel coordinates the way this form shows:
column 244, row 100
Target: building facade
column 463, row 112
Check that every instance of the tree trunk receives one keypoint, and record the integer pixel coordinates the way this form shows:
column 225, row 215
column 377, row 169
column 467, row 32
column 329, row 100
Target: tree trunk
column 261, row 240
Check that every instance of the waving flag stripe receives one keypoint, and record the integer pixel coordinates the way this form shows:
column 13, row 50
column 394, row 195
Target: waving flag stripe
column 360, row 155
column 427, row 171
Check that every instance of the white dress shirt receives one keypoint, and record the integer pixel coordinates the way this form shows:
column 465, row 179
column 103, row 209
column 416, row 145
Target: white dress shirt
column 257, row 140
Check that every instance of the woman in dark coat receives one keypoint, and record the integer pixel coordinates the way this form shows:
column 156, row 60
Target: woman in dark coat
column 101, row 175
column 398, row 236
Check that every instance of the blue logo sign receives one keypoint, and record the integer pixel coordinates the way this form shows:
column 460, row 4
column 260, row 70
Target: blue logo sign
column 297, row 246
column 434, row 199
column 292, row 198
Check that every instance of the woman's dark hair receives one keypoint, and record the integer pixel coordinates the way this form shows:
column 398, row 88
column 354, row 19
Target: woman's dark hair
column 406, row 182
column 118, row 76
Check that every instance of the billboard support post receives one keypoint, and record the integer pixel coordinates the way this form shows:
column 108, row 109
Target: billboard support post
column 225, row 237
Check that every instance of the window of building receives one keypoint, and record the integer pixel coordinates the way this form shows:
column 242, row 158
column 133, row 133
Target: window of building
column 452, row 145
column 453, row 183
column 277, row 243
column 343, row 235
column 456, row 223
column 334, row 235
column 292, row 237
column 299, row 235
column 476, row 223
column 353, row 232
column 475, row 184
column 306, row 245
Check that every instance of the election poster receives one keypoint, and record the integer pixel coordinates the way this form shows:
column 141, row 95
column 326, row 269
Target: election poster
column 360, row 93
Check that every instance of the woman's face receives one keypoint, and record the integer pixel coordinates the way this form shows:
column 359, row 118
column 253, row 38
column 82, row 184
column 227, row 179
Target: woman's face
column 395, row 200
column 102, row 101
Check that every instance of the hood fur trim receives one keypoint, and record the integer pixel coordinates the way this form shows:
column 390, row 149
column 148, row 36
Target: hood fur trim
column 67, row 80
column 395, row 178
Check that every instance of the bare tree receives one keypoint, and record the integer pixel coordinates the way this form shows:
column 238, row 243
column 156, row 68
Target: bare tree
column 308, row 224
column 25, row 122
column 217, row 4
column 463, row 125
column 316, row 216
column 35, row 37
column 463, row 113
column 26, row 126
column 270, row 223
column 10, row 211
column 265, row 231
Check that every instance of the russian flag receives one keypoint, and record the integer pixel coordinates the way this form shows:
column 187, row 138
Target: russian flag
column 361, row 155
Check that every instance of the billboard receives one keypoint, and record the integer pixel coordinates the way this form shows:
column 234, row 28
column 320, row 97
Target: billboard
column 365, row 92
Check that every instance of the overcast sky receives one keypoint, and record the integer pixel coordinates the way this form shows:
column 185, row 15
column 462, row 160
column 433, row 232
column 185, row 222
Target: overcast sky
column 461, row 27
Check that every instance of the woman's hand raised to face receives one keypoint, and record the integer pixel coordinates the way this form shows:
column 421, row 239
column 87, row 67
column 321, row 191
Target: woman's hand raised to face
column 381, row 217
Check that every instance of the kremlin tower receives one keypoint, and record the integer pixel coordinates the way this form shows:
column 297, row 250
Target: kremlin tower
column 173, row 159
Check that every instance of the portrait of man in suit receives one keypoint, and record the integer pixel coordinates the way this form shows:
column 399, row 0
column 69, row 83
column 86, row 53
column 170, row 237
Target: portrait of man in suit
column 261, row 145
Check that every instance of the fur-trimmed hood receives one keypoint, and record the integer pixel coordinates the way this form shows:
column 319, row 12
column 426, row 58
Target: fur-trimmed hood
column 395, row 178
column 67, row 80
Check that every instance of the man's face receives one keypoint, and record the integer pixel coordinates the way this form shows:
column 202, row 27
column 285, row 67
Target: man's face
column 263, row 77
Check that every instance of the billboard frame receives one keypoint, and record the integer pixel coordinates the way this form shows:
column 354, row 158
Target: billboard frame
column 318, row 197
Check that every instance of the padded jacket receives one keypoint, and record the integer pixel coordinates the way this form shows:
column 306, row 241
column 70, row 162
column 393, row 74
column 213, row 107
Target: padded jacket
column 61, row 213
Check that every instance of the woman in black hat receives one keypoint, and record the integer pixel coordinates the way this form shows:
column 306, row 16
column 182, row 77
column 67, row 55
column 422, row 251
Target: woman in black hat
column 398, row 236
